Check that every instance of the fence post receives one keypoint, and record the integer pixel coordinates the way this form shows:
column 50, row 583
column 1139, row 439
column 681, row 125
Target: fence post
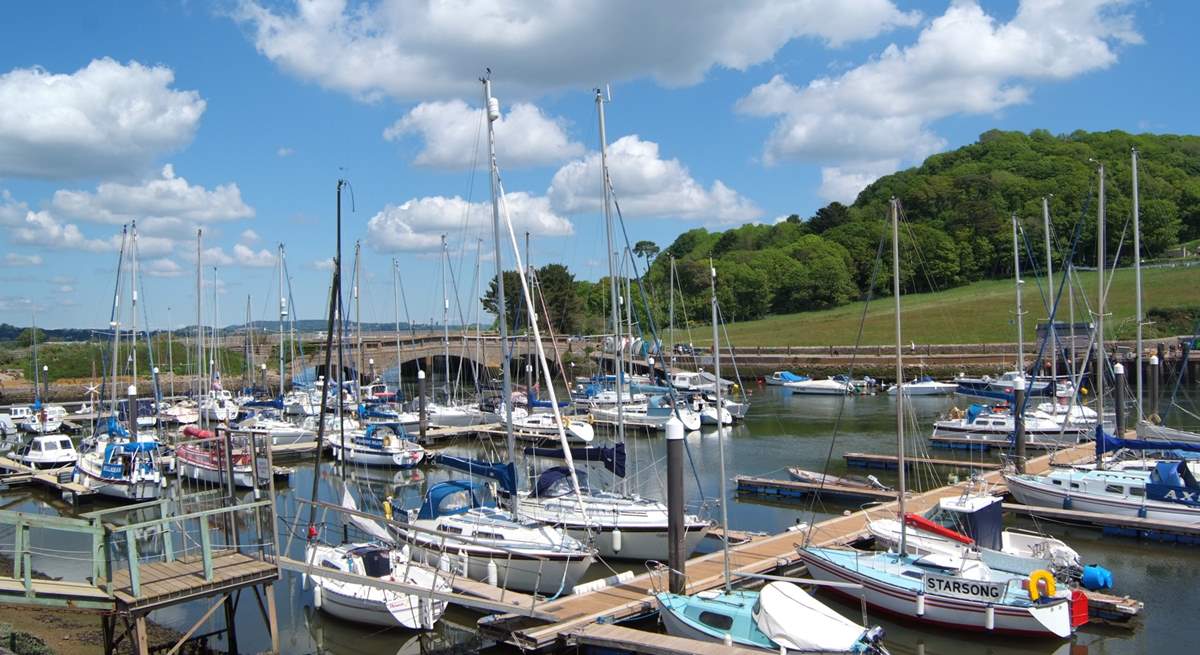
column 135, row 575
column 206, row 547
column 18, row 549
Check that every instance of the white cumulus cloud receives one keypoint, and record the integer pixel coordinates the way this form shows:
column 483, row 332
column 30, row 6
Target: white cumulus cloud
column 451, row 132
column 646, row 185
column 104, row 119
column 16, row 260
column 415, row 50
column 167, row 196
column 417, row 225
column 246, row 256
column 161, row 267
column 867, row 121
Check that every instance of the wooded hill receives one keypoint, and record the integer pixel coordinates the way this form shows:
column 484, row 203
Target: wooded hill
column 957, row 208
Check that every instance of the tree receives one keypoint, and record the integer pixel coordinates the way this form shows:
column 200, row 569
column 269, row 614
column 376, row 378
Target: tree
column 26, row 337
column 829, row 216
column 646, row 250
column 556, row 287
column 514, row 301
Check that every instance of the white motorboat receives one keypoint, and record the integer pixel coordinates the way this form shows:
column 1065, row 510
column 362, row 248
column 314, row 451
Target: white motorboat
column 834, row 386
column 125, row 470
column 925, row 386
column 281, row 433
column 652, row 415
column 378, row 445
column 363, row 603
column 1167, row 492
column 462, row 530
column 48, row 451
column 46, row 419
column 184, row 412
column 219, row 406
column 458, row 415
column 620, row 526
column 974, row 521
column 996, row 425
column 544, row 424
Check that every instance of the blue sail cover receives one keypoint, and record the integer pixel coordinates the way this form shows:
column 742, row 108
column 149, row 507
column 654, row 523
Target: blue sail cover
column 274, row 403
column 375, row 411
column 1107, row 443
column 544, row 404
column 451, row 497
column 505, row 474
column 612, row 458
column 1173, row 482
column 556, row 481
column 788, row 376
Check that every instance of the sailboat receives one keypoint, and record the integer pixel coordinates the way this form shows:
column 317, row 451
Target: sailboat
column 780, row 617
column 960, row 592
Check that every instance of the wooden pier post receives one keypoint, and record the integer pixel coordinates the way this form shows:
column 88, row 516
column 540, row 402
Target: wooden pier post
column 676, row 556
column 1154, row 370
column 424, row 421
column 1119, row 397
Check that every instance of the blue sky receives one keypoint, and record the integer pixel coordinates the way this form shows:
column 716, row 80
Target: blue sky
column 238, row 117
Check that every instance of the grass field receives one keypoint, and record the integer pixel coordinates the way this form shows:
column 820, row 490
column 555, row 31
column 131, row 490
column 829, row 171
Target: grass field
column 983, row 312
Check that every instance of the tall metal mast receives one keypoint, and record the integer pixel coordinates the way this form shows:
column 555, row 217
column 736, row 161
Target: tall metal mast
column 716, row 351
column 283, row 314
column 1020, row 313
column 1050, row 287
column 446, row 316
column 1101, row 360
column 1137, row 279
column 396, row 311
column 671, row 315
column 358, row 345
column 341, row 332
column 133, row 311
column 614, row 286
column 901, row 483
column 492, row 107
column 199, row 323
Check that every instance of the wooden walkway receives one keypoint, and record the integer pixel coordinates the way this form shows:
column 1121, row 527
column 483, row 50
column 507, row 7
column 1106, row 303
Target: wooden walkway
column 759, row 555
column 22, row 474
column 614, row 638
column 889, row 462
column 165, row 583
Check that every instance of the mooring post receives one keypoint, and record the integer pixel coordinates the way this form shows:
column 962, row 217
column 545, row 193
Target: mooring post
column 421, row 402
column 1018, row 410
column 1185, row 359
column 231, row 625
column 1119, row 398
column 675, row 526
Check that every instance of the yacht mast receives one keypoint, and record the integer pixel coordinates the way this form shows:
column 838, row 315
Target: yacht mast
column 446, row 317
column 1017, row 282
column 1053, row 296
column 1101, row 360
column 716, row 351
column 115, row 322
column 358, row 347
column 199, row 324
column 132, row 411
column 1137, row 280
column 283, row 314
column 613, row 285
column 900, row 371
column 671, row 317
column 396, row 312
column 492, row 107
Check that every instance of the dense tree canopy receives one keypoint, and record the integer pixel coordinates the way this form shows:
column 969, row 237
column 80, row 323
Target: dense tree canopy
column 957, row 210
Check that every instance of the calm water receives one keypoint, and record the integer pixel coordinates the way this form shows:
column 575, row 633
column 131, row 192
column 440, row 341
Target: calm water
column 782, row 430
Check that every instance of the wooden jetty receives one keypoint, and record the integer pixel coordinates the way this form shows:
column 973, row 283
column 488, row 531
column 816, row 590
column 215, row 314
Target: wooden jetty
column 759, row 555
column 889, row 462
column 749, row 484
column 614, row 638
column 58, row 479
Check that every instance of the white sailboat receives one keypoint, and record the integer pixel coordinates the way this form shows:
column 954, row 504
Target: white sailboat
column 960, row 592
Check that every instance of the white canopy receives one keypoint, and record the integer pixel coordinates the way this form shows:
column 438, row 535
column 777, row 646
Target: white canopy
column 791, row 618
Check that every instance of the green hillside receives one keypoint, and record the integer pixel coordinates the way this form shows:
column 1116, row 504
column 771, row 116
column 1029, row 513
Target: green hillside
column 982, row 312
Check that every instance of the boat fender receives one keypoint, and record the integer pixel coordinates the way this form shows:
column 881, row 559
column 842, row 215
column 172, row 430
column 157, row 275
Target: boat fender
column 387, row 508
column 316, row 597
column 493, row 573
column 1035, row 581
column 727, row 639
column 920, row 604
column 466, row 562
column 990, row 617
column 1096, row 577
column 616, row 540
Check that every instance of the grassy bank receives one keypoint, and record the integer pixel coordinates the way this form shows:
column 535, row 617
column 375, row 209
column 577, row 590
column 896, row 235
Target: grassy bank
column 978, row 313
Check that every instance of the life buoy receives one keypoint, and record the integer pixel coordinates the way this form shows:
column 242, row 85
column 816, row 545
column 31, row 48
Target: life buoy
column 1036, row 577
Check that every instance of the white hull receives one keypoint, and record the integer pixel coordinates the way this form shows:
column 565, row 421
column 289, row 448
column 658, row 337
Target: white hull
column 639, row 545
column 395, row 458
column 551, row 577
column 820, row 388
column 1043, row 495
column 128, row 491
column 242, row 476
column 960, row 614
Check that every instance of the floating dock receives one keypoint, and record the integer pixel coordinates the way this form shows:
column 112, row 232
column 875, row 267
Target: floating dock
column 609, row 638
column 888, row 462
column 983, row 443
column 58, row 479
column 1125, row 526
column 749, row 484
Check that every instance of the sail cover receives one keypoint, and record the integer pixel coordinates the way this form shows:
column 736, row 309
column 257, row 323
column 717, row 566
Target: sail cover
column 791, row 618
column 1107, row 443
column 612, row 458
column 368, row 526
column 505, row 474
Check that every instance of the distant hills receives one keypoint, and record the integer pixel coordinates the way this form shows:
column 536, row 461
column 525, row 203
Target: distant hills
column 11, row 333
